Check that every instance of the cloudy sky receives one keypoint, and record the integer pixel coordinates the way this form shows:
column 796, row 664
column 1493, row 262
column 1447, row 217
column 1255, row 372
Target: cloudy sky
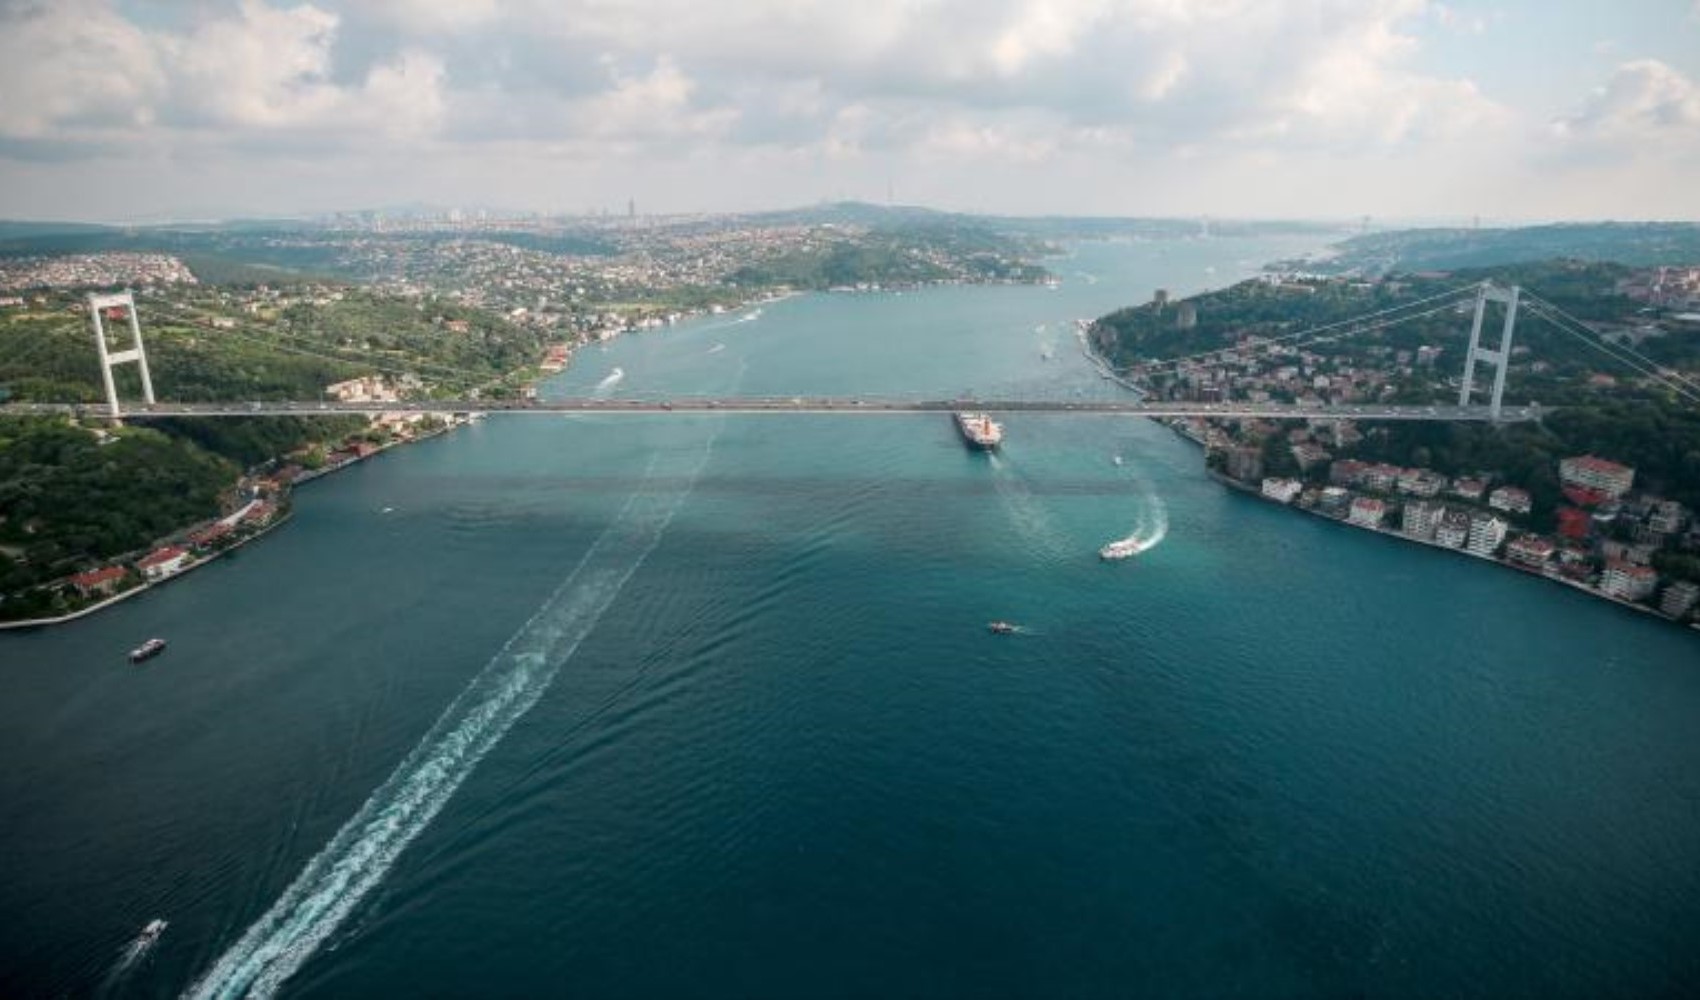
column 1510, row 109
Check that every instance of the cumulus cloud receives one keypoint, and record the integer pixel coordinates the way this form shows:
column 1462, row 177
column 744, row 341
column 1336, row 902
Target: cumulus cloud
column 1646, row 103
column 69, row 68
column 1122, row 84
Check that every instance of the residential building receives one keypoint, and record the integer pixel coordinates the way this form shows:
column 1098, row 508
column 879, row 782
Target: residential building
column 1420, row 519
column 98, row 581
column 1421, row 482
column 1381, row 478
column 1367, row 511
column 1334, row 502
column 1679, row 598
column 1453, row 530
column 1309, row 455
column 1486, row 534
column 161, row 563
column 1668, row 517
column 1532, row 551
column 1245, row 463
column 1628, row 581
column 1468, row 489
column 1591, row 473
column 1346, row 472
column 1282, row 490
column 1511, row 500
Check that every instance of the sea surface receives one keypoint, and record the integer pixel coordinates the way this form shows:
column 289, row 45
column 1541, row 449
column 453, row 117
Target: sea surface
column 706, row 706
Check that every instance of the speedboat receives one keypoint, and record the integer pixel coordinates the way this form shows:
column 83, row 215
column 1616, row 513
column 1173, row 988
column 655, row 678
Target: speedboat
column 1121, row 549
column 151, row 932
column 1003, row 628
column 151, row 648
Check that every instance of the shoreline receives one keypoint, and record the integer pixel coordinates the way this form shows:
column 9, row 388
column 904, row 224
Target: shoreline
column 279, row 521
column 1576, row 585
column 146, row 585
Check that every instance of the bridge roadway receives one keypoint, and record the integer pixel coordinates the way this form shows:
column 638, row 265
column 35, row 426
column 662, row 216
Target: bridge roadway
column 787, row 404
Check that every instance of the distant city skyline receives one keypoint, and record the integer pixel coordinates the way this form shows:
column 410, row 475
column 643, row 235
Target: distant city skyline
column 128, row 110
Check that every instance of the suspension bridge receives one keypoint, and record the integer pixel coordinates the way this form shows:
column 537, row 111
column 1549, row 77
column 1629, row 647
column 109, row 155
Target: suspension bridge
column 1485, row 350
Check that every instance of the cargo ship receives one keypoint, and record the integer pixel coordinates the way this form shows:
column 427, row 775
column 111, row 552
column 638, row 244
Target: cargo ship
column 979, row 430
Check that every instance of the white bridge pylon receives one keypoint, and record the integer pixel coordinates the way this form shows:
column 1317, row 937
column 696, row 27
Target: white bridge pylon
column 1500, row 359
column 98, row 304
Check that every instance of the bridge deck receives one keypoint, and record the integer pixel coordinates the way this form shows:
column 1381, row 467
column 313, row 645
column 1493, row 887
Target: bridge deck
column 791, row 405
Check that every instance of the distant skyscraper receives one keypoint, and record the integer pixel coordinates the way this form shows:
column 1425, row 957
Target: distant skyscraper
column 631, row 208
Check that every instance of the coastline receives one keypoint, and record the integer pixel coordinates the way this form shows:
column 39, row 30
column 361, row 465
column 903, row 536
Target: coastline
column 281, row 519
column 146, row 585
column 1576, row 585
column 1180, row 429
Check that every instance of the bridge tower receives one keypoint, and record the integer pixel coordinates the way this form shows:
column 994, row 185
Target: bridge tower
column 1500, row 359
column 99, row 304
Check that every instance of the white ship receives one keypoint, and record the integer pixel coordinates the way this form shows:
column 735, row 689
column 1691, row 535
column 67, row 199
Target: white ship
column 1124, row 548
column 979, row 430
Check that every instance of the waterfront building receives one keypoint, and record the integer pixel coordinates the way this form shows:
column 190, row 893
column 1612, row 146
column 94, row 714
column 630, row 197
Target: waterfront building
column 1420, row 519
column 1486, row 534
column 1532, row 551
column 1367, row 512
column 1282, row 490
column 1334, row 501
column 98, row 581
column 1591, row 473
column 1679, row 598
column 1245, row 463
column 161, row 563
column 1511, row 500
column 1453, row 529
column 1628, row 581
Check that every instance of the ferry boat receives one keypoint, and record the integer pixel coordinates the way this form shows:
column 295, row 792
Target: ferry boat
column 1124, row 548
column 1002, row 628
column 979, row 430
column 151, row 648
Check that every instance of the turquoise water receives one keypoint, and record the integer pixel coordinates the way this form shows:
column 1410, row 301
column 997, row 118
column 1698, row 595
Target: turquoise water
column 705, row 706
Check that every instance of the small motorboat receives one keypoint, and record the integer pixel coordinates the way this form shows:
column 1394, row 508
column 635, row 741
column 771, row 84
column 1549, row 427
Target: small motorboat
column 1126, row 548
column 1003, row 628
column 147, row 650
column 151, row 932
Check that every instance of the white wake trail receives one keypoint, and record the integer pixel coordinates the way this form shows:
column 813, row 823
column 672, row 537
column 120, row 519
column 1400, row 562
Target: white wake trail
column 608, row 383
column 362, row 853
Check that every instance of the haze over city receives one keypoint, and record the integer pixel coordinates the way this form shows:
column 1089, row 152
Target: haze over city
column 119, row 110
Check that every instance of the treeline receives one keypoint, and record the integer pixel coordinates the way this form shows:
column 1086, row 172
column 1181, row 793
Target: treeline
column 68, row 495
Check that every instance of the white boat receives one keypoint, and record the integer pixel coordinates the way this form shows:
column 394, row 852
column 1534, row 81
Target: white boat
column 151, row 932
column 151, row 648
column 1124, row 548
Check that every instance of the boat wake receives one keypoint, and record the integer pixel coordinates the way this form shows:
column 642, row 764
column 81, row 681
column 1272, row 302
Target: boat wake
column 717, row 348
column 1149, row 528
column 1025, row 510
column 361, row 854
column 129, row 957
column 613, row 379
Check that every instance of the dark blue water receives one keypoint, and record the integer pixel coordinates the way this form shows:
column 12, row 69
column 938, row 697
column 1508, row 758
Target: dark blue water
column 705, row 706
